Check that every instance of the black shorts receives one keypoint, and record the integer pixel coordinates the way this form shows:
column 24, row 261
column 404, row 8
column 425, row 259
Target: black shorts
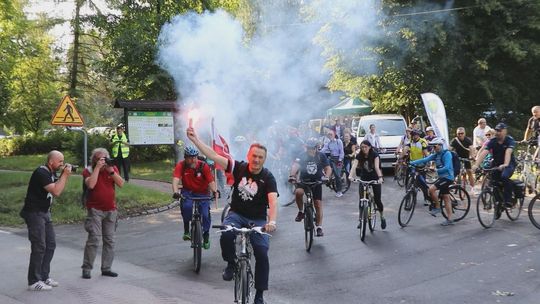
column 467, row 164
column 317, row 191
column 442, row 185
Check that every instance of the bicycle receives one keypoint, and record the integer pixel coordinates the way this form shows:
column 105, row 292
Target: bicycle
column 400, row 175
column 527, row 169
column 345, row 182
column 461, row 203
column 367, row 209
column 309, row 212
column 490, row 202
column 243, row 274
column 462, row 178
column 196, row 229
column 533, row 211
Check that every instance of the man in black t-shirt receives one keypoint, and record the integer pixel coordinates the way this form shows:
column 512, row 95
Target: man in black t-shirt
column 464, row 148
column 43, row 186
column 313, row 166
column 254, row 200
column 502, row 149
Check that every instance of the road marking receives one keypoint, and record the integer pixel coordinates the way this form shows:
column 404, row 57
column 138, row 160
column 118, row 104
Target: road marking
column 6, row 232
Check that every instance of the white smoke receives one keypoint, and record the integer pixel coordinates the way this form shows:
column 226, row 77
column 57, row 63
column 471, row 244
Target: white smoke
column 278, row 73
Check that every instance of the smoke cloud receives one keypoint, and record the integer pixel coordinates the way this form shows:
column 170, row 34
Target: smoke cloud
column 277, row 74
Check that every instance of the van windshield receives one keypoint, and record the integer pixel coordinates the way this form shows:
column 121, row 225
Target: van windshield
column 384, row 127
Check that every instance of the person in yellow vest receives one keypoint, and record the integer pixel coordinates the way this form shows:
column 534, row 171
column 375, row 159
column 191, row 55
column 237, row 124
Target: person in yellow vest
column 120, row 150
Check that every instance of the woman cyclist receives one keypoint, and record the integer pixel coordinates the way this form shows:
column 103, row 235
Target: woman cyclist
column 367, row 167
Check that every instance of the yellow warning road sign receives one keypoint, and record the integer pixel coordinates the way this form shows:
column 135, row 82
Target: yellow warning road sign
column 66, row 114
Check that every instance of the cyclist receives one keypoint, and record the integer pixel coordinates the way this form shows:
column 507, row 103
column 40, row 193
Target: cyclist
column 367, row 165
column 430, row 134
column 313, row 166
column 191, row 178
column 334, row 149
column 501, row 148
column 419, row 148
column 253, row 201
column 445, row 170
column 463, row 146
column 349, row 148
column 533, row 128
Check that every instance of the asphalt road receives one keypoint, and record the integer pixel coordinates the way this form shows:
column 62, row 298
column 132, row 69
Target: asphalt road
column 422, row 263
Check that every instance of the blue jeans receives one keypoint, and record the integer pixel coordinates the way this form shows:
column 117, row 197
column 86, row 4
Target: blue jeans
column 259, row 243
column 504, row 177
column 336, row 171
column 186, row 209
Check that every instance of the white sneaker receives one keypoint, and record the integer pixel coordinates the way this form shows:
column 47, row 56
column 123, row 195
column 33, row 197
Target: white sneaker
column 39, row 286
column 51, row 282
column 339, row 194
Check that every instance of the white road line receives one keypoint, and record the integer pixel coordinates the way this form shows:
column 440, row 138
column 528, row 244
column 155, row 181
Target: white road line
column 6, row 232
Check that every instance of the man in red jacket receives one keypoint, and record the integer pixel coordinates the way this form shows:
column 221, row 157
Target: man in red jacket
column 100, row 180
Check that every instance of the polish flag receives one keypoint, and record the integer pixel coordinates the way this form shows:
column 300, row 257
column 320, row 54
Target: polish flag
column 219, row 144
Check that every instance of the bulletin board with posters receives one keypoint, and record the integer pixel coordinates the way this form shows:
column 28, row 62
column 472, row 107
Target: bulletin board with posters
column 150, row 128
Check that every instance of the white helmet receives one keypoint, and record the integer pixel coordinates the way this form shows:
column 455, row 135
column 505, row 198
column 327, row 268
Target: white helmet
column 437, row 141
column 429, row 129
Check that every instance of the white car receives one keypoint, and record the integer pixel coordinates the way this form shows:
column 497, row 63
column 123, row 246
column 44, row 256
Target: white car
column 390, row 128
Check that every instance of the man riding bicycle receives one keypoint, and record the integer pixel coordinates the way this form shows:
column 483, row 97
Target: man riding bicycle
column 533, row 129
column 313, row 166
column 334, row 149
column 464, row 148
column 193, row 178
column 502, row 150
column 253, row 202
column 445, row 170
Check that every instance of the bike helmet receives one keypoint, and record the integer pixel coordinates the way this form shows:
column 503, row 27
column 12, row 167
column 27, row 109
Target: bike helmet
column 415, row 132
column 312, row 143
column 120, row 126
column 190, row 151
column 430, row 129
column 436, row 141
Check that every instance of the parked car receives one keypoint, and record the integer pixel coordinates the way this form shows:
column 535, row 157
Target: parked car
column 390, row 128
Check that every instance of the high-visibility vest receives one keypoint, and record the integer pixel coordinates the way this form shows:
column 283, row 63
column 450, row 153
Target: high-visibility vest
column 116, row 144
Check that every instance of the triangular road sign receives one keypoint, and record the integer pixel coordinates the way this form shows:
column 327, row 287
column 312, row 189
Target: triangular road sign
column 66, row 114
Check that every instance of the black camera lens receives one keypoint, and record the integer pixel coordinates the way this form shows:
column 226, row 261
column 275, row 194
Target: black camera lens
column 74, row 168
column 109, row 161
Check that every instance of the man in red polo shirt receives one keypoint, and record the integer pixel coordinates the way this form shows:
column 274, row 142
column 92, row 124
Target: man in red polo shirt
column 100, row 180
column 193, row 177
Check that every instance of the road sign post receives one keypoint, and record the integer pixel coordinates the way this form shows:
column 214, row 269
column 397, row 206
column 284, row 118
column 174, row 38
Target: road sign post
column 67, row 115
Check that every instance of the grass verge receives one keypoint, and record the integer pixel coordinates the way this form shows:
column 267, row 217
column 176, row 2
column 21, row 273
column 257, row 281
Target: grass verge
column 156, row 170
column 67, row 208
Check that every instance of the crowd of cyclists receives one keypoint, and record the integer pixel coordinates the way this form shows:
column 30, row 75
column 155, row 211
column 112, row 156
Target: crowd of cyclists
column 300, row 155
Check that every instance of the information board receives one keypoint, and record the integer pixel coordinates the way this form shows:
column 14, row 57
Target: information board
column 150, row 128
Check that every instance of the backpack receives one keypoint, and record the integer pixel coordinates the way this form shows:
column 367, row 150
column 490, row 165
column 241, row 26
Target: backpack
column 456, row 164
column 198, row 170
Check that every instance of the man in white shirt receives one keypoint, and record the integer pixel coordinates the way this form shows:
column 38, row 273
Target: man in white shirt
column 479, row 133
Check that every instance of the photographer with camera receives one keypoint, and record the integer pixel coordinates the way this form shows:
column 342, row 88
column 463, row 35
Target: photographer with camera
column 100, row 180
column 43, row 186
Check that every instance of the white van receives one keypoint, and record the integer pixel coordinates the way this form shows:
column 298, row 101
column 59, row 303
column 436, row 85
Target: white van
column 390, row 128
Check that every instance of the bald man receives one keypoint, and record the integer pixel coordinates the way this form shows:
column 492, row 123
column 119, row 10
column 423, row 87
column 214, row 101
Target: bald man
column 43, row 186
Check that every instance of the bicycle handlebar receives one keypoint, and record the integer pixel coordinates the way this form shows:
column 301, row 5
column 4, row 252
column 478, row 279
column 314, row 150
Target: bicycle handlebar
column 226, row 228
column 371, row 182
column 197, row 198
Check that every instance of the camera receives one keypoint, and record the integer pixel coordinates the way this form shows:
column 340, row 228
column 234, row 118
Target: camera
column 73, row 167
column 109, row 161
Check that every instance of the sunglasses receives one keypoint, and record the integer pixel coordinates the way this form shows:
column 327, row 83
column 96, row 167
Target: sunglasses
column 461, row 134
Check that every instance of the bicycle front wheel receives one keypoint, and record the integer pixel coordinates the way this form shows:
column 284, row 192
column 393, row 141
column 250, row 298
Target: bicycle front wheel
column 225, row 211
column 401, row 173
column 513, row 213
column 244, row 282
column 406, row 209
column 461, row 203
column 196, row 243
column 486, row 208
column 534, row 211
column 363, row 222
column 372, row 217
column 309, row 225
column 345, row 182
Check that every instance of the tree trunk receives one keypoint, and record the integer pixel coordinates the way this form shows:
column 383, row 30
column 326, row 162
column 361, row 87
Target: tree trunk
column 75, row 51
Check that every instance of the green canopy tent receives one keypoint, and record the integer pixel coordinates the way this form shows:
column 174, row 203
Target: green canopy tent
column 350, row 106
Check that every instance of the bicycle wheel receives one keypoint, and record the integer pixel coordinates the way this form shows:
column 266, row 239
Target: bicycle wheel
column 406, row 209
column 486, row 208
column 309, row 225
column 461, row 203
column 244, row 282
column 513, row 213
column 237, row 284
column 196, row 243
column 372, row 216
column 345, row 182
column 401, row 173
column 534, row 211
column 363, row 222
